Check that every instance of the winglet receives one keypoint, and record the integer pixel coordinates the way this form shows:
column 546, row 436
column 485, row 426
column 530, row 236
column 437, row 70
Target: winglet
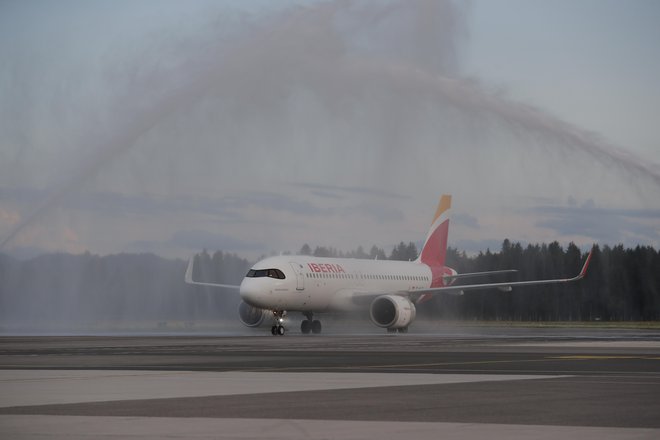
column 189, row 270
column 188, row 278
column 583, row 272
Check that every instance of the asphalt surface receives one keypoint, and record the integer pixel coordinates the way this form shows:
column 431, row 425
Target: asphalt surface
column 514, row 378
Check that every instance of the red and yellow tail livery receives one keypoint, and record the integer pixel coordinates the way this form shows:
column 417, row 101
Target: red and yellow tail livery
column 434, row 250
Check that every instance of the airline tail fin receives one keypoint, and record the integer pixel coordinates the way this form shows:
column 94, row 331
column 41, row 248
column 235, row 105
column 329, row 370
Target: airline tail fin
column 434, row 250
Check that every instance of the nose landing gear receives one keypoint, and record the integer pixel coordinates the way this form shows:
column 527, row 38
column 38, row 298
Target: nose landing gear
column 278, row 328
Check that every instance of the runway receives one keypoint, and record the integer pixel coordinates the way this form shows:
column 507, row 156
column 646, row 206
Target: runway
column 459, row 383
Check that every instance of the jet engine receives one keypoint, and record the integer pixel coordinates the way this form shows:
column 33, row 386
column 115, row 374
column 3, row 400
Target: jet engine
column 253, row 316
column 392, row 311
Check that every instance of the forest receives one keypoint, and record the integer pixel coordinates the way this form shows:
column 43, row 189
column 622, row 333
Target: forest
column 86, row 290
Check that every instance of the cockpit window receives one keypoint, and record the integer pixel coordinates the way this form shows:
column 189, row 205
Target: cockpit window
column 271, row 273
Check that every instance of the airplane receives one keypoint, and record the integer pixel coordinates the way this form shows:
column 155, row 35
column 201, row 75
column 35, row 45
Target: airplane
column 390, row 290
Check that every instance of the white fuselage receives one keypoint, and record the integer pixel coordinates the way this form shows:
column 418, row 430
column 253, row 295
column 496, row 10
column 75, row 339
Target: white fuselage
column 328, row 284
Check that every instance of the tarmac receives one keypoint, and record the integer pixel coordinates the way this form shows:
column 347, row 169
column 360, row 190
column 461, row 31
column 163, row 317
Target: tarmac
column 459, row 382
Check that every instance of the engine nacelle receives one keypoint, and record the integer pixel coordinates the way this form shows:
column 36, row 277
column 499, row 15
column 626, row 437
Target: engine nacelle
column 392, row 311
column 253, row 316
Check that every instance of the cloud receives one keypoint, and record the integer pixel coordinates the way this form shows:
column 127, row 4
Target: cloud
column 21, row 194
column 327, row 195
column 9, row 217
column 465, row 220
column 474, row 246
column 605, row 225
column 273, row 201
column 228, row 207
column 334, row 190
column 376, row 212
column 195, row 240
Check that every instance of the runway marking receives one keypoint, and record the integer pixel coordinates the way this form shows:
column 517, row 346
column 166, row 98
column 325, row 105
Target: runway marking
column 83, row 377
column 416, row 365
column 42, row 387
column 612, row 382
column 441, row 364
column 602, row 357
column 105, row 427
column 645, row 344
column 567, row 358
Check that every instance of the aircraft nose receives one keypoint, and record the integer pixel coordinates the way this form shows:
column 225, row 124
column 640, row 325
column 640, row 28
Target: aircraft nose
column 249, row 292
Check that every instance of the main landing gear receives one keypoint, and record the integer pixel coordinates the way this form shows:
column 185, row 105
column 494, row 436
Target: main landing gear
column 310, row 324
column 278, row 329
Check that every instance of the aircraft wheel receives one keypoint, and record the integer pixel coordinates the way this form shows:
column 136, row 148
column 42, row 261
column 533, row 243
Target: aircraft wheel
column 273, row 330
column 403, row 330
column 280, row 330
column 391, row 330
column 306, row 326
column 316, row 326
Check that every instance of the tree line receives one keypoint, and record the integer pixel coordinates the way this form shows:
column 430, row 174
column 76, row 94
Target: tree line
column 623, row 284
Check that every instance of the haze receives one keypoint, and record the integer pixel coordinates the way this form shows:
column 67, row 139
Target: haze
column 255, row 127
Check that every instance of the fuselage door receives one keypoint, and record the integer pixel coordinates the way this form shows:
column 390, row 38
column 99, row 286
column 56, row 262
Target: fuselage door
column 300, row 275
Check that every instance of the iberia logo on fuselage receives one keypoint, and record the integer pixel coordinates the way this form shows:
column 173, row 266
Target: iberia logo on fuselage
column 325, row 267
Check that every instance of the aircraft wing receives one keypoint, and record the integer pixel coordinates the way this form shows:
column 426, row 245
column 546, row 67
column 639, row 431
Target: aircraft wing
column 478, row 274
column 189, row 277
column 507, row 287
column 362, row 297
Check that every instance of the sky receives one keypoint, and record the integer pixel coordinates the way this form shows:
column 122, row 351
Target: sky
column 254, row 127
